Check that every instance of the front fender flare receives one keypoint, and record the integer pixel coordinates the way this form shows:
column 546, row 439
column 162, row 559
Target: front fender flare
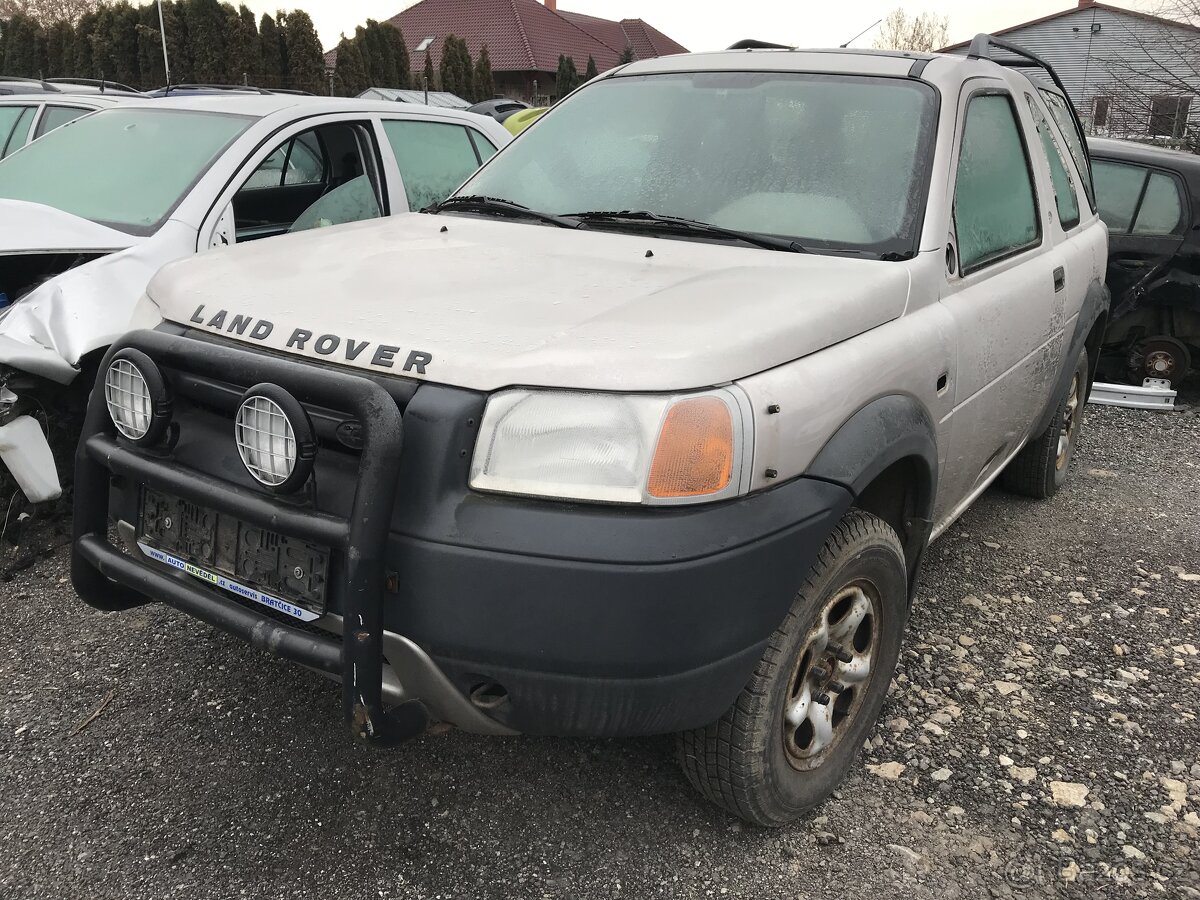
column 887, row 431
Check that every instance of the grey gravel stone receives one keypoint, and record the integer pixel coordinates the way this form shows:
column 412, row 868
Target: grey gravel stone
column 215, row 772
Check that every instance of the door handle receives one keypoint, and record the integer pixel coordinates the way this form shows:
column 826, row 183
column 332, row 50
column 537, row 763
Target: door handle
column 1060, row 279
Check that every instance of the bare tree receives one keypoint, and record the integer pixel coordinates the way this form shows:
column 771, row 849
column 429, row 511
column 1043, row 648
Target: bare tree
column 924, row 32
column 48, row 12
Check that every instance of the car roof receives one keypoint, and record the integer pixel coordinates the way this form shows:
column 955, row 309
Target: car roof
column 261, row 106
column 1144, row 153
column 943, row 70
column 867, row 62
column 64, row 98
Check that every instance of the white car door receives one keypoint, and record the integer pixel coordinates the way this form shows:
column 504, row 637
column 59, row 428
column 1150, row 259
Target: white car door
column 434, row 157
column 319, row 171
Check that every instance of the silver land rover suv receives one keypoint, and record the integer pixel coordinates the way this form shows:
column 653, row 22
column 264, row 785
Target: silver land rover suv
column 644, row 430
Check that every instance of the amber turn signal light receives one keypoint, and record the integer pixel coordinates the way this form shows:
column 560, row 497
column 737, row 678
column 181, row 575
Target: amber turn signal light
column 694, row 455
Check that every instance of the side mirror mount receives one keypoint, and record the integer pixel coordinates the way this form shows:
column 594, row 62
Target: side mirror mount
column 225, row 232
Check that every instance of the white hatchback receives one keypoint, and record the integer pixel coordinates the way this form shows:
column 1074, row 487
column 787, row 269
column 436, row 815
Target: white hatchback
column 91, row 211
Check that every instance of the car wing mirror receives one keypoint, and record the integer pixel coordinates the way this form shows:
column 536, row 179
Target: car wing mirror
column 224, row 234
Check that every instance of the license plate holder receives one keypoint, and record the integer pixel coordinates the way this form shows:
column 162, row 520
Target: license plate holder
column 286, row 574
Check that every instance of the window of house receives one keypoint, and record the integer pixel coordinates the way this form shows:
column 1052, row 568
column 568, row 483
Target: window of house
column 434, row 158
column 1064, row 185
column 1100, row 110
column 1169, row 116
column 995, row 208
column 1136, row 200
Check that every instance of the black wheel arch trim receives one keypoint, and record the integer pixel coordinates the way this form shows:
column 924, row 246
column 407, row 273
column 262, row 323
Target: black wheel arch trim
column 1096, row 304
column 889, row 430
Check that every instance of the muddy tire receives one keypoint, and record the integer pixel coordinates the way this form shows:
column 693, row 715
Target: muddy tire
column 797, row 726
column 1040, row 469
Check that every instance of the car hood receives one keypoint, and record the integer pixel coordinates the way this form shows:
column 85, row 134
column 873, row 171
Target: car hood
column 484, row 304
column 32, row 227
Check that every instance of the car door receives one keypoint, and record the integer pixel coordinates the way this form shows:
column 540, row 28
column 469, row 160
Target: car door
column 434, row 158
column 1147, row 213
column 322, row 171
column 1004, row 289
column 15, row 121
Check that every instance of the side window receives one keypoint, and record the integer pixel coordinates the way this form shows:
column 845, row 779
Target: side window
column 1118, row 189
column 1162, row 208
column 1136, row 200
column 1061, row 114
column 484, row 148
column 1064, row 185
column 313, row 179
column 995, row 208
column 434, row 158
column 305, row 163
column 14, row 128
column 57, row 116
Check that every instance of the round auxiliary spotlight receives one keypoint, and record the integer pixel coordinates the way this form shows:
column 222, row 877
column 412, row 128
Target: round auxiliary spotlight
column 275, row 438
column 136, row 394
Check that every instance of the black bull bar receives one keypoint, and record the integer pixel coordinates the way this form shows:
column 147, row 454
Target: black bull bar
column 108, row 579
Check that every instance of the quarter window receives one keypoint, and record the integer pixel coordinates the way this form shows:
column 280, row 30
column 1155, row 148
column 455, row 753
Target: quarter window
column 434, row 158
column 57, row 116
column 1064, row 185
column 995, row 209
column 1136, row 200
column 14, row 128
column 1061, row 114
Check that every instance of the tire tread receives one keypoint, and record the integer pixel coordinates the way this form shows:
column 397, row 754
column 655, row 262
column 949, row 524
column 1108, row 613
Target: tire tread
column 724, row 760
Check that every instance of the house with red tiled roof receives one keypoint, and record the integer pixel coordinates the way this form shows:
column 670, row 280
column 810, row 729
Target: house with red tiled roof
column 525, row 38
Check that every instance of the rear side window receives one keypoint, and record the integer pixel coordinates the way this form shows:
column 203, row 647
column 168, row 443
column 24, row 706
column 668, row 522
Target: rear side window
column 57, row 116
column 1137, row 200
column 434, row 158
column 1162, row 209
column 1064, row 185
column 1066, row 124
column 14, row 128
column 995, row 209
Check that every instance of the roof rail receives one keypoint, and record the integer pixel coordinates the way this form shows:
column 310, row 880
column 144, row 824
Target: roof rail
column 243, row 88
column 752, row 44
column 102, row 83
column 45, row 85
column 982, row 46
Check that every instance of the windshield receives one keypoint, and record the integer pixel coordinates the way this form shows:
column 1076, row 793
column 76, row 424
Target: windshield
column 125, row 168
column 834, row 162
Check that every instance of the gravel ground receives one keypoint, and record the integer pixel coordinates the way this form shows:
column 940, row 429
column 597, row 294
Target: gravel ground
column 1040, row 740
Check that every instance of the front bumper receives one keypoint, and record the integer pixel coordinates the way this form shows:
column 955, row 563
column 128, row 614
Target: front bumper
column 577, row 619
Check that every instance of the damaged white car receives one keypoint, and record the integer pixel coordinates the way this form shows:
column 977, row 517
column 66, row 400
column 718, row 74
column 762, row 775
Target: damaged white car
column 91, row 211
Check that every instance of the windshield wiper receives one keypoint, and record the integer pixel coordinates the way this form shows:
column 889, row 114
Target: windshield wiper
column 496, row 206
column 765, row 241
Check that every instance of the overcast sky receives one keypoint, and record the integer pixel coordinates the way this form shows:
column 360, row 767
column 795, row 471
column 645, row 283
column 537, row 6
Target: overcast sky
column 710, row 25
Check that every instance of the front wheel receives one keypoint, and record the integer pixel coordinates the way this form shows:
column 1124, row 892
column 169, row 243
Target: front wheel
column 1040, row 469
column 796, row 727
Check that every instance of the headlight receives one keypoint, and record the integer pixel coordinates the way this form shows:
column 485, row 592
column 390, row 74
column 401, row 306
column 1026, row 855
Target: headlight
column 274, row 438
column 614, row 448
column 137, row 397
